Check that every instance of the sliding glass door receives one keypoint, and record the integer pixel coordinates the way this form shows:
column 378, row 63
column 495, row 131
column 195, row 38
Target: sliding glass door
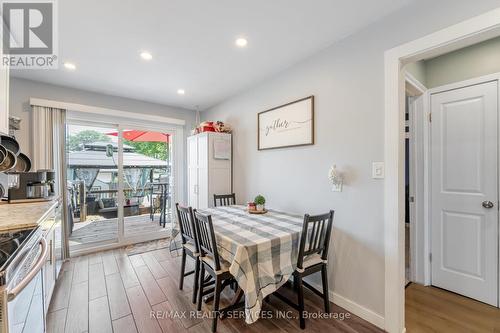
column 120, row 183
column 147, row 183
column 92, row 183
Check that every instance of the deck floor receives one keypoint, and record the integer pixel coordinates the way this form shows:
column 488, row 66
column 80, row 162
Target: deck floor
column 107, row 230
column 113, row 292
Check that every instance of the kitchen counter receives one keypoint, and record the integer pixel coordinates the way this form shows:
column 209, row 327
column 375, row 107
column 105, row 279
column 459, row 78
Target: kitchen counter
column 24, row 215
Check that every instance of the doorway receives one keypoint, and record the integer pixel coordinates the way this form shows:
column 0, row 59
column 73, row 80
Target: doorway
column 121, row 183
column 414, row 178
column 472, row 31
column 457, row 128
column 464, row 189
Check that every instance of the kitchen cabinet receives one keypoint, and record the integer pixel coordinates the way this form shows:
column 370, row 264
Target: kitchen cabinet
column 49, row 270
column 58, row 239
column 209, row 160
column 51, row 229
column 4, row 100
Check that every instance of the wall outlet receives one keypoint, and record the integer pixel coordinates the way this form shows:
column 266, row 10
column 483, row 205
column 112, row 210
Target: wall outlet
column 378, row 170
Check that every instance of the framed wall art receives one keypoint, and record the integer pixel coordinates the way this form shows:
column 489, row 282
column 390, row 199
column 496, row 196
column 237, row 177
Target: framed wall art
column 288, row 125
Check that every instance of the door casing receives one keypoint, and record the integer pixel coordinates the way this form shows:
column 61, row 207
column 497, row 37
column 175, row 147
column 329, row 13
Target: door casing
column 416, row 91
column 465, row 33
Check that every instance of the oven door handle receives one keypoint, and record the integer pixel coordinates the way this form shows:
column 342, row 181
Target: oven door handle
column 32, row 273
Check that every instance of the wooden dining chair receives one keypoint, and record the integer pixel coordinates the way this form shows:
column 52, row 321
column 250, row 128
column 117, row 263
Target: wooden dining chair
column 217, row 268
column 224, row 199
column 189, row 246
column 312, row 258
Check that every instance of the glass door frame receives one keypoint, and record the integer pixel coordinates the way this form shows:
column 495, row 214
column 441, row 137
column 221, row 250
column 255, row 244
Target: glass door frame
column 177, row 188
column 82, row 248
column 177, row 164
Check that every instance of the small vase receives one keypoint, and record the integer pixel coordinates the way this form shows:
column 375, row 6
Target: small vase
column 260, row 208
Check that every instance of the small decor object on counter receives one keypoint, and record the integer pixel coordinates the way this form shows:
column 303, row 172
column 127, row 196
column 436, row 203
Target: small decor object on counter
column 260, row 202
column 251, row 206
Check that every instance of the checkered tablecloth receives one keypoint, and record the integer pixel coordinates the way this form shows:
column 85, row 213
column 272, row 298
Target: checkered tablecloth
column 262, row 250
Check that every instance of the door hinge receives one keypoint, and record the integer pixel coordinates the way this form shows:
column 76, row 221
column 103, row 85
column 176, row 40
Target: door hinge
column 430, row 256
column 430, row 117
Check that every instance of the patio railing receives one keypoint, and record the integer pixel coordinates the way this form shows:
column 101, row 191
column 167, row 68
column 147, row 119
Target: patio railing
column 135, row 202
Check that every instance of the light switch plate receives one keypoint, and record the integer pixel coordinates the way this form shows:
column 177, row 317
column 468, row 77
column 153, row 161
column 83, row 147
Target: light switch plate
column 378, row 170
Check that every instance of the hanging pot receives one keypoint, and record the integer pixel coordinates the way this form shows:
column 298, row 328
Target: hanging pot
column 3, row 154
column 9, row 162
column 23, row 163
column 10, row 144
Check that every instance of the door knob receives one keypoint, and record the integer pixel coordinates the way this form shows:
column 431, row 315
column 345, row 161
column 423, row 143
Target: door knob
column 488, row 204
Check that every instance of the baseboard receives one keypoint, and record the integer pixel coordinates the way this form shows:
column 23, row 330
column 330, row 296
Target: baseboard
column 353, row 307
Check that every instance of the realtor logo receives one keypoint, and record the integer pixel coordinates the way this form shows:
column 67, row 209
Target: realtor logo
column 29, row 34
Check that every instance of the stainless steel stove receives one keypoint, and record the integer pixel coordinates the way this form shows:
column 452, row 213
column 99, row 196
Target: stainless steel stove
column 10, row 246
column 22, row 256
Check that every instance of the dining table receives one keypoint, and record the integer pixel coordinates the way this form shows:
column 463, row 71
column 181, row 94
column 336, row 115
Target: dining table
column 261, row 249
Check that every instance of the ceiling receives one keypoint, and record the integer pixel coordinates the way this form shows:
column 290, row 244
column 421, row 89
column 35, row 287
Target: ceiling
column 193, row 44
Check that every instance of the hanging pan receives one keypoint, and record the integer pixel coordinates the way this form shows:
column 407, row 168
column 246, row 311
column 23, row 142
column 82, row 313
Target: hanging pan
column 9, row 162
column 3, row 153
column 10, row 144
column 23, row 163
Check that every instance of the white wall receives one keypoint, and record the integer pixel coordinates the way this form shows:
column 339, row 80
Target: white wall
column 347, row 81
column 417, row 70
column 467, row 63
column 21, row 90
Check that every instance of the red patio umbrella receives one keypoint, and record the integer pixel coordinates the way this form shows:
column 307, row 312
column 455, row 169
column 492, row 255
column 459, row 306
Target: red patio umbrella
column 143, row 136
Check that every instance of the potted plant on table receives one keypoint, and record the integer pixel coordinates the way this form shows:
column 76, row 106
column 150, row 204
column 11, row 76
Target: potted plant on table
column 259, row 202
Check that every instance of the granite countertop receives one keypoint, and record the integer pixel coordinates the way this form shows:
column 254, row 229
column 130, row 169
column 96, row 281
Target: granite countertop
column 24, row 215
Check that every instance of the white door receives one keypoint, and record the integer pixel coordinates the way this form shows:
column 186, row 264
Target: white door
column 203, row 199
column 465, row 191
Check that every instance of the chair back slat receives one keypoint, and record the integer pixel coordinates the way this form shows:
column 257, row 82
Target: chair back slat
column 224, row 199
column 207, row 242
column 315, row 237
column 186, row 225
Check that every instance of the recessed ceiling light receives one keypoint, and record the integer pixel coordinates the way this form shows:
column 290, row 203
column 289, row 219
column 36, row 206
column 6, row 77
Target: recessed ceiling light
column 181, row 91
column 241, row 42
column 70, row 66
column 146, row 55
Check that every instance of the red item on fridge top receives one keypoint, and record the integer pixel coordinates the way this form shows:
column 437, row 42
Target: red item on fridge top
column 207, row 129
column 207, row 126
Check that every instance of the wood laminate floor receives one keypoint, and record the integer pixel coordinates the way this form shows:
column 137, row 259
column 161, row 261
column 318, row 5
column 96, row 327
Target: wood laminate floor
column 112, row 292
column 430, row 309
